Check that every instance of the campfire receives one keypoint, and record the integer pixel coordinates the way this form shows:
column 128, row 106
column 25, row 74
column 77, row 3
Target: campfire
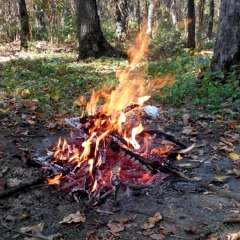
column 111, row 150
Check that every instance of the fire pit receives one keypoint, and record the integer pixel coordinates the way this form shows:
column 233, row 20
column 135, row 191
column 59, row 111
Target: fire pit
column 110, row 152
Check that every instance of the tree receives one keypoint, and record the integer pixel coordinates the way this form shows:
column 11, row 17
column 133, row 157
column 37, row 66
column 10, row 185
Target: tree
column 200, row 23
column 150, row 17
column 24, row 22
column 210, row 20
column 121, row 19
column 90, row 37
column 191, row 25
column 227, row 47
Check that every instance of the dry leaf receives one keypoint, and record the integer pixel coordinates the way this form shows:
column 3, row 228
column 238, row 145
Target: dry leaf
column 77, row 217
column 234, row 156
column 157, row 236
column 233, row 236
column 90, row 236
column 192, row 229
column 115, row 227
column 146, row 226
column 231, row 219
column 235, row 203
column 232, row 125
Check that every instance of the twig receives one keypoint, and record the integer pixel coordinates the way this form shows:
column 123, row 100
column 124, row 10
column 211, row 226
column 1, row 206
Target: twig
column 6, row 193
column 16, row 231
column 223, row 192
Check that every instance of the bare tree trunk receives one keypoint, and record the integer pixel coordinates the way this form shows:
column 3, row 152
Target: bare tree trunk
column 121, row 19
column 227, row 47
column 24, row 22
column 138, row 14
column 191, row 25
column 40, row 24
column 90, row 37
column 150, row 17
column 174, row 14
column 210, row 21
column 200, row 23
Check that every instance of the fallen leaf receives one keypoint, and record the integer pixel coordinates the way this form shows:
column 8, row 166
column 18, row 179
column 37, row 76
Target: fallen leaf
column 115, row 227
column 235, row 203
column 234, row 156
column 157, row 236
column 77, row 217
column 31, row 122
column 232, row 125
column 10, row 218
column 90, row 236
column 192, row 229
column 233, row 236
column 221, row 178
column 236, row 172
column 146, row 226
column 231, row 219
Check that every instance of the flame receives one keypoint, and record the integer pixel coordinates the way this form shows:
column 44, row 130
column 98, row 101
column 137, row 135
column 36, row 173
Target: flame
column 179, row 157
column 54, row 180
column 136, row 131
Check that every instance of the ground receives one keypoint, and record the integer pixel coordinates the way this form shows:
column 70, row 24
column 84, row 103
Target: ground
column 174, row 208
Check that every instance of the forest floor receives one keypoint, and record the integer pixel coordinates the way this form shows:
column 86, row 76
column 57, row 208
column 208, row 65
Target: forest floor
column 189, row 209
column 173, row 208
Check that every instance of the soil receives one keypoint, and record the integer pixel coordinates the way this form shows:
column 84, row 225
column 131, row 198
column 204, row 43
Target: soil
column 201, row 209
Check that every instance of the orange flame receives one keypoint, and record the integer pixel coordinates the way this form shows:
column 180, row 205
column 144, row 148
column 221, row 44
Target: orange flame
column 54, row 180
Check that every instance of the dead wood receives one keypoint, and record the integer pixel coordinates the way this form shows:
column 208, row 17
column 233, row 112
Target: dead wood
column 24, row 234
column 24, row 186
column 224, row 192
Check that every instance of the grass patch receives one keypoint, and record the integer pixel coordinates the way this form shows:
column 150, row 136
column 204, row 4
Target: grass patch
column 53, row 82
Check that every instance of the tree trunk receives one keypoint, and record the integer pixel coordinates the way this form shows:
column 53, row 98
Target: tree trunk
column 40, row 24
column 121, row 19
column 150, row 17
column 90, row 37
column 191, row 25
column 138, row 14
column 210, row 21
column 174, row 13
column 227, row 47
column 200, row 23
column 24, row 22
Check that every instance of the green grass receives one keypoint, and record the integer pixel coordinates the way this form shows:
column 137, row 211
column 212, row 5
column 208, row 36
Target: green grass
column 53, row 82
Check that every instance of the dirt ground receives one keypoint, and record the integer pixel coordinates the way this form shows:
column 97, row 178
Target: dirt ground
column 175, row 208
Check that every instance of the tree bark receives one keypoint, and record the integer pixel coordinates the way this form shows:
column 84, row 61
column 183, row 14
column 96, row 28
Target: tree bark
column 210, row 20
column 121, row 19
column 227, row 47
column 40, row 24
column 24, row 22
column 150, row 17
column 90, row 37
column 191, row 25
column 200, row 23
column 174, row 13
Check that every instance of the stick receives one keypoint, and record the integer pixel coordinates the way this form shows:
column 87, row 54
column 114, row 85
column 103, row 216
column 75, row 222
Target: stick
column 25, row 234
column 8, row 192
column 224, row 193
